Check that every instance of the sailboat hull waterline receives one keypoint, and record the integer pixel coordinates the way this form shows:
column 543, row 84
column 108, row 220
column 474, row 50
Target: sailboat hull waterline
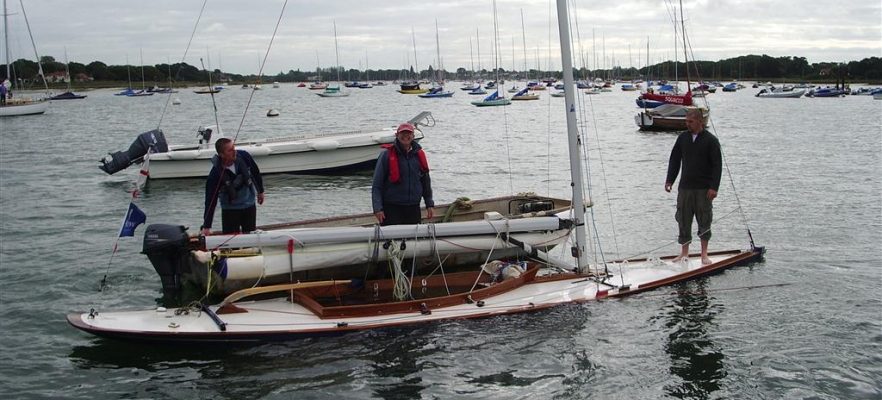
column 320, row 310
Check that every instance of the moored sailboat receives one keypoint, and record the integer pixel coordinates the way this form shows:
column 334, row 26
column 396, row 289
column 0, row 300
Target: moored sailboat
column 334, row 91
column 18, row 105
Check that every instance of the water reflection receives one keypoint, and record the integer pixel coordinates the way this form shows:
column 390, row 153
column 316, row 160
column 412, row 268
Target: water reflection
column 694, row 357
column 399, row 362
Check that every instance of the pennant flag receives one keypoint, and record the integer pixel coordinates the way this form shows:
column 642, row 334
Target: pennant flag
column 134, row 217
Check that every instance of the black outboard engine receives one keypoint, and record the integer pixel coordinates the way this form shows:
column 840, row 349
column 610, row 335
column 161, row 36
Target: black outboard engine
column 166, row 247
column 153, row 141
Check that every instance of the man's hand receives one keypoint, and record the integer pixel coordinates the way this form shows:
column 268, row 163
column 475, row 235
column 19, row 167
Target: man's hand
column 260, row 198
column 711, row 194
column 380, row 216
column 206, row 231
column 668, row 187
column 430, row 212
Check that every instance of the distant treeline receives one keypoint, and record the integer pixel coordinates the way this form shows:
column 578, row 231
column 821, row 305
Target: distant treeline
column 751, row 67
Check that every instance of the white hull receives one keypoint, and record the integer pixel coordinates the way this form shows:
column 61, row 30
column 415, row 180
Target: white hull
column 319, row 154
column 280, row 319
column 793, row 94
column 14, row 109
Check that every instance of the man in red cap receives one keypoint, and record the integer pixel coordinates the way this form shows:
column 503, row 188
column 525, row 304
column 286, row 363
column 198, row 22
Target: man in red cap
column 401, row 181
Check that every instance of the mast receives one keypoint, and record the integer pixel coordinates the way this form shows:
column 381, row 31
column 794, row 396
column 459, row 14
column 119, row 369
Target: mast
column 496, row 56
column 337, row 53
column 437, row 76
column 67, row 68
column 416, row 63
column 478, row 45
column 685, row 53
column 573, row 136
column 472, row 59
column 524, row 38
column 6, row 39
column 141, row 51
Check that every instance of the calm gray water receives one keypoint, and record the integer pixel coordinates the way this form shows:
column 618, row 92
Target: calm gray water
column 807, row 174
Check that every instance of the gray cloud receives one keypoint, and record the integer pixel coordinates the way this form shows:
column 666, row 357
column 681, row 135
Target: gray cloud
column 236, row 34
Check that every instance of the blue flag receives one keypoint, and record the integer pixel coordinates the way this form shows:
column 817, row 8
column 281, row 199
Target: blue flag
column 134, row 217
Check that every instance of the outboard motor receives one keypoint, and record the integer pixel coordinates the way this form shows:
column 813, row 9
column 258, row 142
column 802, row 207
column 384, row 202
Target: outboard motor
column 153, row 141
column 166, row 247
column 204, row 135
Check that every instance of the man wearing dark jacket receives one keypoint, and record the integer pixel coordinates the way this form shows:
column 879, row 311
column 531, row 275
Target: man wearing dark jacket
column 697, row 153
column 234, row 180
column 401, row 180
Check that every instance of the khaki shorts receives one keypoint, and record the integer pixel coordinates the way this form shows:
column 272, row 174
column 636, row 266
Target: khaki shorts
column 693, row 203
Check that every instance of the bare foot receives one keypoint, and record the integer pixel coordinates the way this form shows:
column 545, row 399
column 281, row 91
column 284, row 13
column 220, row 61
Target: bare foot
column 706, row 260
column 677, row 259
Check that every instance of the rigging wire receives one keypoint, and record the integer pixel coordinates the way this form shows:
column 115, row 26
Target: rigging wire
column 498, row 87
column 260, row 72
column 180, row 66
column 688, row 44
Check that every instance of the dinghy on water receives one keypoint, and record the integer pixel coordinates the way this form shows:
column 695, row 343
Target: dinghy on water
column 327, row 305
column 319, row 153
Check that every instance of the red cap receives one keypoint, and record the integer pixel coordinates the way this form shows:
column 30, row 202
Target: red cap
column 405, row 127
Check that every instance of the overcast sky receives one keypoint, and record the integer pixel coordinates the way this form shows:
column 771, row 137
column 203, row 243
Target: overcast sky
column 235, row 34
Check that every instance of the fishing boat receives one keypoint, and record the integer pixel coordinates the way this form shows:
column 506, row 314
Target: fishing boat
column 332, row 306
column 18, row 105
column 318, row 153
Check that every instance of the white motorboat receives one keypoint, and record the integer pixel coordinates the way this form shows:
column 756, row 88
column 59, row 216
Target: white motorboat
column 319, row 153
column 780, row 93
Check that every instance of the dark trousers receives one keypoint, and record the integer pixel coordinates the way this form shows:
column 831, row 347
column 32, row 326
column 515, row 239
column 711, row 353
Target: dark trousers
column 693, row 203
column 401, row 215
column 239, row 221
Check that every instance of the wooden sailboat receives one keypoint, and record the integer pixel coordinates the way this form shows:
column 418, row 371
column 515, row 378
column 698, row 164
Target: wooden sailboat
column 18, row 105
column 328, row 306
